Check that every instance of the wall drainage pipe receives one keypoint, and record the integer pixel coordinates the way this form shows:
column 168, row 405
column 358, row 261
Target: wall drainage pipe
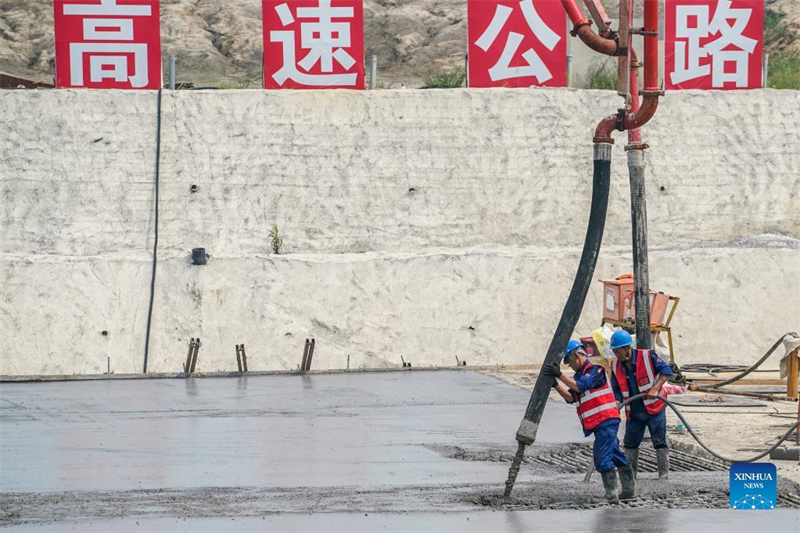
column 155, row 237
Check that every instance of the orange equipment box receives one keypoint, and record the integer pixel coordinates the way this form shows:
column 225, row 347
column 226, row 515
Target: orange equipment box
column 618, row 301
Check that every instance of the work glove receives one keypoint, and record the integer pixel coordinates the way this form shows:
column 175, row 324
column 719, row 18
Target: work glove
column 552, row 370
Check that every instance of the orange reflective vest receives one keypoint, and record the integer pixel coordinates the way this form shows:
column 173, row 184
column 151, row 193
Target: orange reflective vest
column 645, row 379
column 596, row 405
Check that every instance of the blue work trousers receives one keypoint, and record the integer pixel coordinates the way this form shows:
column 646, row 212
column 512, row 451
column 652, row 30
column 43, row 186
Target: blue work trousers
column 606, row 452
column 657, row 424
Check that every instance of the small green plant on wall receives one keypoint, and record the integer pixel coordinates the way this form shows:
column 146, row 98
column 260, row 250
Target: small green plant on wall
column 445, row 80
column 276, row 242
column 602, row 75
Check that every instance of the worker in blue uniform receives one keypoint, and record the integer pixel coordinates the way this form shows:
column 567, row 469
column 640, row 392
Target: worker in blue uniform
column 599, row 415
column 641, row 372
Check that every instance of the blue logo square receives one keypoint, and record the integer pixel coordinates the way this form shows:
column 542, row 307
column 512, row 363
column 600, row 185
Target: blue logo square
column 753, row 486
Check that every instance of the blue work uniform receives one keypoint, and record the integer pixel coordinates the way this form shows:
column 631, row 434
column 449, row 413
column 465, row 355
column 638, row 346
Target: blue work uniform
column 640, row 418
column 606, row 451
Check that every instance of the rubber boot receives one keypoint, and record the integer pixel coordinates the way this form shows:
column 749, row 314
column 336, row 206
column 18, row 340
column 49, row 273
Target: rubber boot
column 662, row 458
column 633, row 458
column 626, row 477
column 611, row 484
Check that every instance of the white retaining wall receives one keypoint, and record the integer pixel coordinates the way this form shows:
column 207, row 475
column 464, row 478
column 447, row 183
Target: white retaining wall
column 409, row 217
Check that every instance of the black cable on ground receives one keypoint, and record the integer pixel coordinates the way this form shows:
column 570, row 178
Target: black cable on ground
column 155, row 236
column 711, row 368
column 703, row 444
column 750, row 369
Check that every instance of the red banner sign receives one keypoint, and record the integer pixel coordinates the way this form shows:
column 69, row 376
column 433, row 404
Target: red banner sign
column 714, row 44
column 108, row 44
column 515, row 43
column 313, row 44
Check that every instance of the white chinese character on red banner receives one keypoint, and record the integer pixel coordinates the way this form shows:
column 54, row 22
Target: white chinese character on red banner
column 718, row 46
column 106, row 37
column 318, row 43
column 513, row 43
column 502, row 70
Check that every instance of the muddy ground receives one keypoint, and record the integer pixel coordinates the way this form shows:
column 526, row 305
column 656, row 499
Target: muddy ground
column 734, row 426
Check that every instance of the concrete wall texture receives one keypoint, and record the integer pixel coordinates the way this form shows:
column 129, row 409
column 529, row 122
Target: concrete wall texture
column 423, row 224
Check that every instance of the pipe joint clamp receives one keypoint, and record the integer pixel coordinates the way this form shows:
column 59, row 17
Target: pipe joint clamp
column 621, row 112
column 578, row 25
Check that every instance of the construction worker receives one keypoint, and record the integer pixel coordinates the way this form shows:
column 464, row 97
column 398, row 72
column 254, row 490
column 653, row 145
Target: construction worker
column 641, row 372
column 598, row 413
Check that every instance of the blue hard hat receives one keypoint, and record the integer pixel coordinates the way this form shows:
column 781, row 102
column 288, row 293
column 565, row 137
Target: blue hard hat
column 620, row 339
column 572, row 345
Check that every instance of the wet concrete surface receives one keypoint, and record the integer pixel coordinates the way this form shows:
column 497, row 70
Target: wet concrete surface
column 413, row 450
column 608, row 520
column 313, row 431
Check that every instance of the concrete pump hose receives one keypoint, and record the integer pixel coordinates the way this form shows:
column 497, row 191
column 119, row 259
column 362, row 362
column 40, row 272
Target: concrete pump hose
column 601, row 186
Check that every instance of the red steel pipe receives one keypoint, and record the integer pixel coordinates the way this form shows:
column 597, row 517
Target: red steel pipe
column 637, row 117
column 599, row 44
column 582, row 30
column 574, row 12
column 634, row 134
column 651, row 45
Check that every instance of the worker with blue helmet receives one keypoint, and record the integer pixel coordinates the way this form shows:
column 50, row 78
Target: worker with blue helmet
column 598, row 413
column 641, row 372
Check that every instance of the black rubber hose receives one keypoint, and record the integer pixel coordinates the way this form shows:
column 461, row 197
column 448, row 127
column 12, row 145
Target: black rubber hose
column 641, row 270
column 704, row 445
column 526, row 434
column 752, row 368
column 155, row 235
column 577, row 296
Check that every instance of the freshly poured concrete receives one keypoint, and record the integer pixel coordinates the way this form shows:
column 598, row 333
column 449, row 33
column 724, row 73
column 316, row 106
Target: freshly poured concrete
column 607, row 520
column 357, row 451
column 312, row 431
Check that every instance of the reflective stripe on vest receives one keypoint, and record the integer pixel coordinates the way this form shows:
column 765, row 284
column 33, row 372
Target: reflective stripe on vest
column 596, row 405
column 645, row 374
column 594, row 411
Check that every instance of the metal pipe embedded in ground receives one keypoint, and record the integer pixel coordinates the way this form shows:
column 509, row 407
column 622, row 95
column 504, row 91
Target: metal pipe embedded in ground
column 197, row 345
column 310, row 354
column 305, row 356
column 188, row 363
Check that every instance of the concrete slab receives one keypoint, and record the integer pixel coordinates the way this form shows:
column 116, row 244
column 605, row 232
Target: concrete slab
column 357, row 451
column 604, row 521
column 314, row 431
